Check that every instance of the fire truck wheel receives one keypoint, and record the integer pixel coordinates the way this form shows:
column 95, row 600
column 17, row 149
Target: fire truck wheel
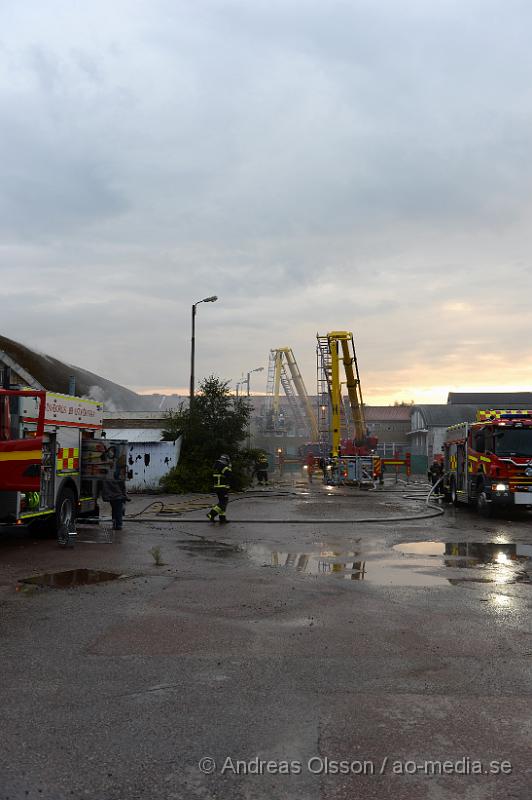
column 65, row 514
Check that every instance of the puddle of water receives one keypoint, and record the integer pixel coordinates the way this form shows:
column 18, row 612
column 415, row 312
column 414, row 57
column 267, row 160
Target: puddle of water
column 412, row 564
column 204, row 547
column 485, row 552
column 487, row 562
column 351, row 566
column 71, row 577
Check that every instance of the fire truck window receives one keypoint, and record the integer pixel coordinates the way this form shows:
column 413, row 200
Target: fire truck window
column 517, row 442
column 479, row 442
column 490, row 445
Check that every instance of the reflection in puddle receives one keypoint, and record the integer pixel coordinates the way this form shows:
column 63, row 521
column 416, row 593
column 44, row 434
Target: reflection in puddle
column 351, row 566
column 491, row 562
column 71, row 577
column 412, row 564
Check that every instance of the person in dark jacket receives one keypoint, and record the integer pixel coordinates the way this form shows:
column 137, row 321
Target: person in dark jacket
column 221, row 474
column 261, row 469
column 114, row 492
column 434, row 474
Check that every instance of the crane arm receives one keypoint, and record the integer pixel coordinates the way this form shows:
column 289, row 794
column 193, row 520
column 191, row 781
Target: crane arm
column 301, row 390
column 353, row 389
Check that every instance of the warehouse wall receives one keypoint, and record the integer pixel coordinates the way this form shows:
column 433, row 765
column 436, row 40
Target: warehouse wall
column 148, row 462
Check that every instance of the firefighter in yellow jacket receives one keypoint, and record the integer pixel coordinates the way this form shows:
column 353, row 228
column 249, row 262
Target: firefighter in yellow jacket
column 222, row 475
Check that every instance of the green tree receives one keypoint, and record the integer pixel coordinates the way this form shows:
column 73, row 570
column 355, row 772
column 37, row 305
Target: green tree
column 217, row 423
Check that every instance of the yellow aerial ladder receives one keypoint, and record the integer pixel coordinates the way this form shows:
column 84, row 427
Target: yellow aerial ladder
column 284, row 372
column 332, row 348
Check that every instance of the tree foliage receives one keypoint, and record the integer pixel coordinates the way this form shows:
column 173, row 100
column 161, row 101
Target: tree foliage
column 217, row 423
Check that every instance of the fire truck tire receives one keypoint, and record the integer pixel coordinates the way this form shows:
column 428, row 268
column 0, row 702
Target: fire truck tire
column 452, row 492
column 65, row 514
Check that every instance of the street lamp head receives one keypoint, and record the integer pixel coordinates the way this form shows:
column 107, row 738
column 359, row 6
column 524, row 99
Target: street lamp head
column 212, row 299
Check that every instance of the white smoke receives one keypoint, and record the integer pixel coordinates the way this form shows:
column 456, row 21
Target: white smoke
column 98, row 394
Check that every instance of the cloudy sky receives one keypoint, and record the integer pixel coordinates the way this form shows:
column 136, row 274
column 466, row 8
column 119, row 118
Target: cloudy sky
column 363, row 165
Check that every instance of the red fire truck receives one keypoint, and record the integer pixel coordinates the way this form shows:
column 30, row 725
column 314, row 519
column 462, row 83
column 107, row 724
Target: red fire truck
column 52, row 457
column 488, row 463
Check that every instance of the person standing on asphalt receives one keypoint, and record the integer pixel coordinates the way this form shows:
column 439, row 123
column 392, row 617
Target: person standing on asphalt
column 261, row 470
column 114, row 492
column 222, row 475
column 435, row 473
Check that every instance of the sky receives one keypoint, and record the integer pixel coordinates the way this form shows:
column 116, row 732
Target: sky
column 362, row 165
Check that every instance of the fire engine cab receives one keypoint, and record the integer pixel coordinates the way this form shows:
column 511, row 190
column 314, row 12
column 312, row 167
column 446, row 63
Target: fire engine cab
column 52, row 457
column 488, row 463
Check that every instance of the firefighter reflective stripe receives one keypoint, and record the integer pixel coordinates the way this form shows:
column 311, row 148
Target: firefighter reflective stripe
column 67, row 459
column 487, row 460
column 453, row 462
column 473, row 458
column 220, row 481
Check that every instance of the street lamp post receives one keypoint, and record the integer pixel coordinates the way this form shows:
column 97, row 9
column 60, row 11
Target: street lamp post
column 246, row 381
column 193, row 344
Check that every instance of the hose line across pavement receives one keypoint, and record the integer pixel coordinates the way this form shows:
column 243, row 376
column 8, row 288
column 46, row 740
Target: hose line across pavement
column 432, row 511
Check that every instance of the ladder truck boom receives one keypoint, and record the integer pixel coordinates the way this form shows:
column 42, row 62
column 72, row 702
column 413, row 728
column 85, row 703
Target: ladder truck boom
column 334, row 348
column 284, row 373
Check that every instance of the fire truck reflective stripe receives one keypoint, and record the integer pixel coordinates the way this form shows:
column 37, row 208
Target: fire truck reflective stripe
column 498, row 413
column 36, row 514
column 65, row 424
column 22, row 455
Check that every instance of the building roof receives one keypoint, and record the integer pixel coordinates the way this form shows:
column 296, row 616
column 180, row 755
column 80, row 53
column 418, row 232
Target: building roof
column 143, row 435
column 387, row 413
column 46, row 372
column 134, row 419
column 442, row 416
column 491, row 399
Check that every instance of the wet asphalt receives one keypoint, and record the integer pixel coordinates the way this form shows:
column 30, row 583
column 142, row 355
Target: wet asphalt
column 276, row 650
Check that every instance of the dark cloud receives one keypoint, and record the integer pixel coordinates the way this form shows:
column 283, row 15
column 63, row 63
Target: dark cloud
column 353, row 164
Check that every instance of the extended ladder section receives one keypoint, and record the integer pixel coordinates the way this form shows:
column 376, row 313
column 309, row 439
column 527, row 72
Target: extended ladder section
column 283, row 372
column 336, row 347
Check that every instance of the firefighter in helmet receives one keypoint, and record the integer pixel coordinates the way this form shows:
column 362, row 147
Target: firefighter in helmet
column 261, row 469
column 222, row 475
column 435, row 474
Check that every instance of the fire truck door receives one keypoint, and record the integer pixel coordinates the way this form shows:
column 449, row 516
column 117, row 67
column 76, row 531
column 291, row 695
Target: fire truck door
column 20, row 465
column 460, row 468
column 20, row 448
column 46, row 499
